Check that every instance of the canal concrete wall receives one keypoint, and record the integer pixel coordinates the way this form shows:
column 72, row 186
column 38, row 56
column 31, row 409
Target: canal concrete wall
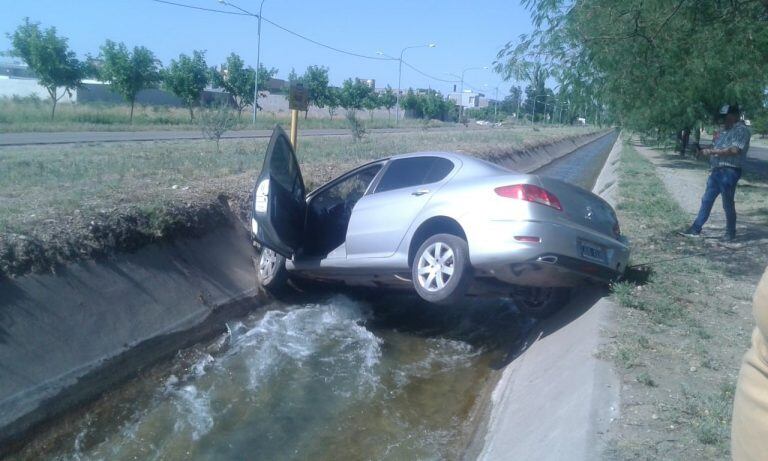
column 558, row 398
column 68, row 336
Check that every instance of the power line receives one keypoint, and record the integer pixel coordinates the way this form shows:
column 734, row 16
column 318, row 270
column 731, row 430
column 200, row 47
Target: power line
column 192, row 7
column 430, row 76
column 303, row 37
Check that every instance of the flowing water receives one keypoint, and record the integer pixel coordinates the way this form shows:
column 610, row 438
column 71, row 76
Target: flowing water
column 324, row 376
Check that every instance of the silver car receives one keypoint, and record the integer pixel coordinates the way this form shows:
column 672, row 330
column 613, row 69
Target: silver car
column 444, row 224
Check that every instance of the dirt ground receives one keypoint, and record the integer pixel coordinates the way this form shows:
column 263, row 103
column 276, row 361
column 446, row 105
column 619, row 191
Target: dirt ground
column 686, row 318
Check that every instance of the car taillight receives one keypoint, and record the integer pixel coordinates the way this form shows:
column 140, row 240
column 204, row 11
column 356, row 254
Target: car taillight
column 530, row 193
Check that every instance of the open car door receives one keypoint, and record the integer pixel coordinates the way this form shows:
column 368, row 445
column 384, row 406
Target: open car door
column 279, row 200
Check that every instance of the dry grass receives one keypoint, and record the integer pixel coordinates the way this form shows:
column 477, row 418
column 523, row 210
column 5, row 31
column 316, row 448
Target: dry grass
column 61, row 196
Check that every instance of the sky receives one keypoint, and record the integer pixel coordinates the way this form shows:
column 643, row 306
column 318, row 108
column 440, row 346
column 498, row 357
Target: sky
column 467, row 34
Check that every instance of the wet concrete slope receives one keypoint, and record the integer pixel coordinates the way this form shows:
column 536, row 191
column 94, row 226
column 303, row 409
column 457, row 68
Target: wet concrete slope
column 67, row 336
column 557, row 398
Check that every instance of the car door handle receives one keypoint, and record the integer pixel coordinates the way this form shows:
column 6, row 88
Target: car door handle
column 420, row 192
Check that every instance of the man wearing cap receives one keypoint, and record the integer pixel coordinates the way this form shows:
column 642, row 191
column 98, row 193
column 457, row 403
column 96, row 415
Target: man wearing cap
column 725, row 159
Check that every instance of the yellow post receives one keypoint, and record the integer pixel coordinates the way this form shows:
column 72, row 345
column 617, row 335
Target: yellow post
column 294, row 128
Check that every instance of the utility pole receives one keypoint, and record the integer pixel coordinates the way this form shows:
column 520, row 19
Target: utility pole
column 400, row 75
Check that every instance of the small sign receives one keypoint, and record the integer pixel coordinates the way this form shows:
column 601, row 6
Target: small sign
column 298, row 97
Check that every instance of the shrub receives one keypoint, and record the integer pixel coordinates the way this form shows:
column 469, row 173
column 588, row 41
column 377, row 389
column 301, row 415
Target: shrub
column 216, row 121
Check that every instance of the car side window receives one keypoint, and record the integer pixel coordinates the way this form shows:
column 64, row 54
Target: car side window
column 414, row 171
column 348, row 191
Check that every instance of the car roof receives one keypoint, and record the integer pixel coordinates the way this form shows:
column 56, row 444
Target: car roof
column 471, row 165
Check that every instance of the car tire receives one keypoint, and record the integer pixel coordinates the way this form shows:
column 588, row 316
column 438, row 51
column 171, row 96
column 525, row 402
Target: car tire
column 538, row 302
column 271, row 273
column 441, row 272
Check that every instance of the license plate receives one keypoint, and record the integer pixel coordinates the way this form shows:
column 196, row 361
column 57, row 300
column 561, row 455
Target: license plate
column 592, row 252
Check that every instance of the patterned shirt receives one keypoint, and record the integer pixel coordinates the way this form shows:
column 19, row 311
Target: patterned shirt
column 737, row 136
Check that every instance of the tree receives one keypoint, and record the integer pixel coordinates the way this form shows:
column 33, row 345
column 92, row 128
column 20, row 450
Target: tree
column 49, row 57
column 264, row 76
column 353, row 94
column 216, row 121
column 237, row 80
column 293, row 77
column 659, row 65
column 128, row 72
column 315, row 80
column 371, row 103
column 187, row 78
column 429, row 105
column 410, row 103
column 333, row 100
column 388, row 100
column 512, row 102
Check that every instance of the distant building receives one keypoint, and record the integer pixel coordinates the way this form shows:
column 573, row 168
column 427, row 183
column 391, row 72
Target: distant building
column 468, row 99
column 369, row 82
column 16, row 69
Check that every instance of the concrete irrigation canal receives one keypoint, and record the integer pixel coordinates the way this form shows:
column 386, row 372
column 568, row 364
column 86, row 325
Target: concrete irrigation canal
column 320, row 375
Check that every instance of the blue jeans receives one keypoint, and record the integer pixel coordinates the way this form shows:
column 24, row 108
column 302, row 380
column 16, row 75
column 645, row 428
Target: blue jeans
column 722, row 181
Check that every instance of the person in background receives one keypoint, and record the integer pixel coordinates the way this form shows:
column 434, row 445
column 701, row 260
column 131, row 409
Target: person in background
column 725, row 159
column 749, row 424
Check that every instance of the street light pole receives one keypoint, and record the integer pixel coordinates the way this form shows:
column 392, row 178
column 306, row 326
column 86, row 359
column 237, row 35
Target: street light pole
column 400, row 75
column 258, row 52
column 461, row 109
column 258, row 63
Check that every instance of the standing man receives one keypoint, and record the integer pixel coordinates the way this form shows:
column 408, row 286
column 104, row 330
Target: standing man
column 725, row 159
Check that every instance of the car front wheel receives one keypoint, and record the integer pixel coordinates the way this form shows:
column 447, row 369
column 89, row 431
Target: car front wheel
column 441, row 272
column 272, row 274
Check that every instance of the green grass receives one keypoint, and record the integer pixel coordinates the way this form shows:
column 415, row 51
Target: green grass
column 709, row 413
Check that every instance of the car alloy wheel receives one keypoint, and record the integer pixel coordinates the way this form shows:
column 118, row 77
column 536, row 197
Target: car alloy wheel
column 441, row 272
column 436, row 266
column 272, row 274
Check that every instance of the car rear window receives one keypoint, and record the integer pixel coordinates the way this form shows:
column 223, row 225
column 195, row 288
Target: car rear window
column 415, row 171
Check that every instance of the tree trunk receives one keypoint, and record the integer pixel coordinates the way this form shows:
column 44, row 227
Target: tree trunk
column 370, row 112
column 191, row 113
column 52, row 93
column 306, row 114
column 130, row 119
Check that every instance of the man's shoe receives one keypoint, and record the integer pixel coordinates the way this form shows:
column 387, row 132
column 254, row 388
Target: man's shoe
column 728, row 237
column 690, row 232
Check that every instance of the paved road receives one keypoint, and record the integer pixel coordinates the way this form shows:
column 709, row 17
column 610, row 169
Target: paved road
column 73, row 137
column 759, row 153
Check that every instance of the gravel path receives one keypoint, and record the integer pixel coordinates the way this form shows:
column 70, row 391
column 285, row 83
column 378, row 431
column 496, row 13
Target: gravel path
column 687, row 186
column 686, row 180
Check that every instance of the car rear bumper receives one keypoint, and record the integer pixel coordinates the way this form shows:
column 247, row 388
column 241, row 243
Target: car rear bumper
column 499, row 250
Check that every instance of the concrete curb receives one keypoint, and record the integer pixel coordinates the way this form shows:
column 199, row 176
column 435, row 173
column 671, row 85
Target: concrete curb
column 556, row 399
